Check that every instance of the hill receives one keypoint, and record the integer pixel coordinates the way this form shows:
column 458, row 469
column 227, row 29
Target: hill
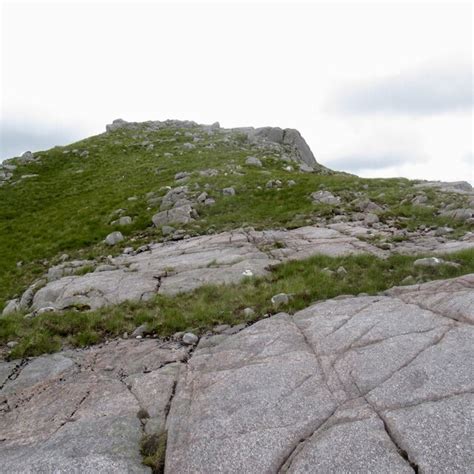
column 186, row 298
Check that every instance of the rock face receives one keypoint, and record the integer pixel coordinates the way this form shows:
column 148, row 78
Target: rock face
column 77, row 411
column 368, row 384
column 287, row 136
column 362, row 384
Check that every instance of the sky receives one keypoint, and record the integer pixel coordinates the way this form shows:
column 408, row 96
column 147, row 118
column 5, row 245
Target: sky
column 378, row 89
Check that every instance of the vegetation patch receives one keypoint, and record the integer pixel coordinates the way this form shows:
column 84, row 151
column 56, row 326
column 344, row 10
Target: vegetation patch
column 153, row 450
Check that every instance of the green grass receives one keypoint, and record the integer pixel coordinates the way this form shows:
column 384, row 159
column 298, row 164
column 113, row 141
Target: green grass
column 64, row 210
column 200, row 310
column 153, row 450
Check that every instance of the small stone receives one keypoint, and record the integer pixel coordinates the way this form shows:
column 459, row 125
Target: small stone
column 371, row 218
column 247, row 273
column 12, row 344
column 182, row 175
column 306, row 168
column 280, row 299
column 325, row 197
column 228, row 191
column 47, row 309
column 409, row 280
column 328, row 272
column 202, row 197
column 113, row 238
column 341, row 271
column 249, row 312
column 291, row 183
column 253, row 161
column 128, row 250
column 139, row 331
column 108, row 368
column 190, row 339
column 429, row 262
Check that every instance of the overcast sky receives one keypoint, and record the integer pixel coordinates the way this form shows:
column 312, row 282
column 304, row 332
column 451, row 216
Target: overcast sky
column 377, row 89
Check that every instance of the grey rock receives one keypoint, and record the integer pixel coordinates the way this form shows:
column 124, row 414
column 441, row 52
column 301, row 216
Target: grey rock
column 124, row 220
column 429, row 262
column 11, row 307
column 371, row 218
column 409, row 280
column 209, row 172
column 190, row 339
column 228, row 191
column 280, row 299
column 249, row 312
column 173, row 196
column 140, row 331
column 178, row 215
column 325, row 197
column 419, row 200
column 304, row 168
column 114, row 238
column 12, row 344
column 274, row 183
column 253, row 161
column 202, row 197
column 459, row 214
column 341, row 271
column 182, row 175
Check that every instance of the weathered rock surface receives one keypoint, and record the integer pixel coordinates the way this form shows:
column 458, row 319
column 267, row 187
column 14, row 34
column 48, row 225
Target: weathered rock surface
column 77, row 411
column 365, row 384
column 176, row 267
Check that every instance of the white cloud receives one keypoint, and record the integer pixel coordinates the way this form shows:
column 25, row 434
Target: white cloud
column 424, row 91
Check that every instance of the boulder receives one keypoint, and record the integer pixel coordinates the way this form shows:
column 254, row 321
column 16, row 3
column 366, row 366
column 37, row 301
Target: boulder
column 114, row 238
column 178, row 215
column 325, row 197
column 228, row 191
column 253, row 161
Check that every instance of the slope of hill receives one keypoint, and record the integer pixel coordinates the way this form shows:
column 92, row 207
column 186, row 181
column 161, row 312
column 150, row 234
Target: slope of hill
column 185, row 298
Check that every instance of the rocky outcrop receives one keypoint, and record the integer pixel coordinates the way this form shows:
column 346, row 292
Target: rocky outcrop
column 174, row 267
column 361, row 384
column 367, row 384
column 289, row 139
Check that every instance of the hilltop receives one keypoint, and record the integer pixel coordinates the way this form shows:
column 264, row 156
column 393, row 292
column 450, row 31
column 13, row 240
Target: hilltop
column 179, row 297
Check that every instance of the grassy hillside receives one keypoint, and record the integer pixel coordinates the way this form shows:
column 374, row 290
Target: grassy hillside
column 69, row 205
